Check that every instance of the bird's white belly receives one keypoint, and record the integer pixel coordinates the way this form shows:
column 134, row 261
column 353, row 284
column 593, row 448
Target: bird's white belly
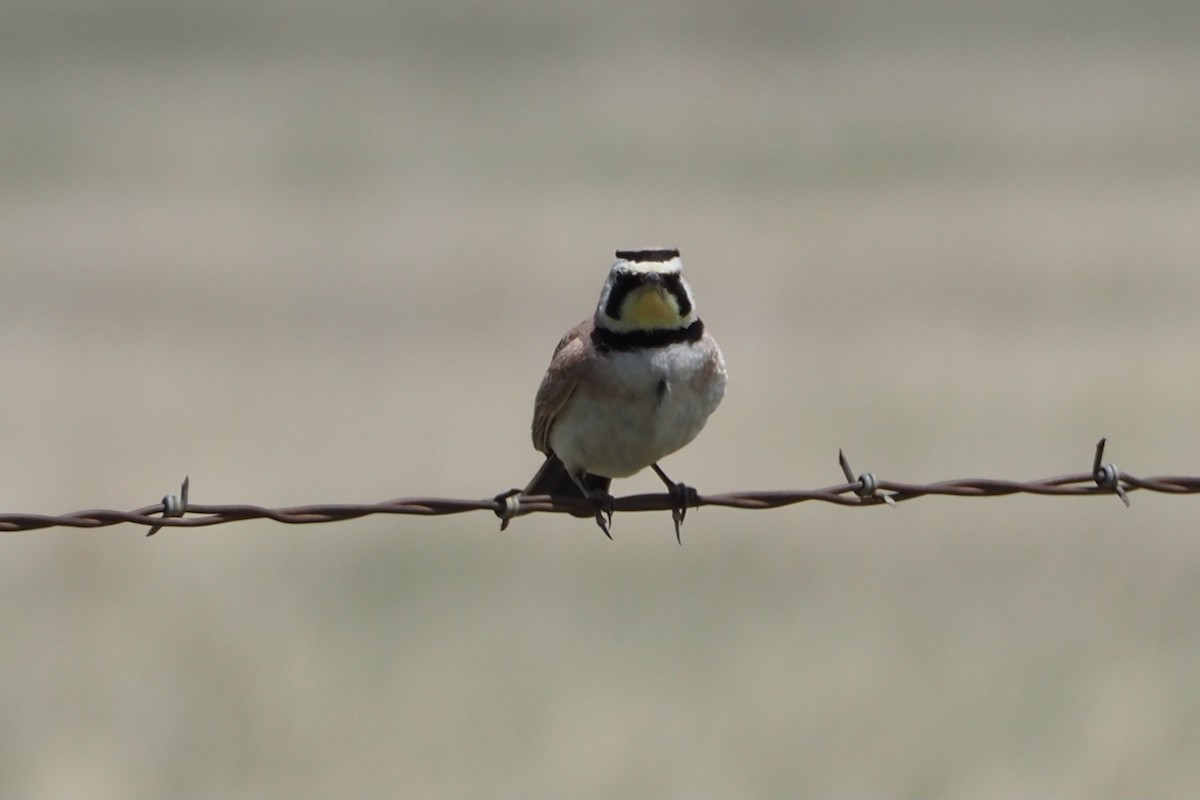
column 641, row 407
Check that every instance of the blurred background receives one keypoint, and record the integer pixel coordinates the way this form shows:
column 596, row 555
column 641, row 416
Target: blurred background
column 321, row 252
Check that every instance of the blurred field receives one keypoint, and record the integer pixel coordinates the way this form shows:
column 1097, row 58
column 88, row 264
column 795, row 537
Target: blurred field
column 322, row 252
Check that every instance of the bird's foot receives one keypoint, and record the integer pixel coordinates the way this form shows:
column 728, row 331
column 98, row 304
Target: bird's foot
column 603, row 501
column 682, row 497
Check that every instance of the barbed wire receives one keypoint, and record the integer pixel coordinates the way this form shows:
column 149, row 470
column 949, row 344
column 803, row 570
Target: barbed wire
column 862, row 490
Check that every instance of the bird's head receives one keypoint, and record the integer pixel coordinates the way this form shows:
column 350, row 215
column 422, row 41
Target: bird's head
column 646, row 291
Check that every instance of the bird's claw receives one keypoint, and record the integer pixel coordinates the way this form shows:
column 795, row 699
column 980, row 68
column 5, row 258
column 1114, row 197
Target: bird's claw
column 682, row 497
column 604, row 509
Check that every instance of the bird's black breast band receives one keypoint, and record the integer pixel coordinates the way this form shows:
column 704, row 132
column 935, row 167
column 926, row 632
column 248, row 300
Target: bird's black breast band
column 606, row 340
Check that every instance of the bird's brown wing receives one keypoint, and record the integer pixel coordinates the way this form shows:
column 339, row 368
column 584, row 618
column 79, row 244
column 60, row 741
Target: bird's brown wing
column 568, row 364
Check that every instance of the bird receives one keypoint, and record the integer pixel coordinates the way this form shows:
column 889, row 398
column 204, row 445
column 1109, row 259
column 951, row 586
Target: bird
column 627, row 387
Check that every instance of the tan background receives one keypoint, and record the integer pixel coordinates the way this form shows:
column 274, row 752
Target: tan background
column 321, row 252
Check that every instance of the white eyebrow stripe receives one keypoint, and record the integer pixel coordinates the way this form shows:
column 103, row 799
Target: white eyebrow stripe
column 646, row 267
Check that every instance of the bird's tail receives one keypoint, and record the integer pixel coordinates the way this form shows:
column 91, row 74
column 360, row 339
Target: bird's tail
column 553, row 479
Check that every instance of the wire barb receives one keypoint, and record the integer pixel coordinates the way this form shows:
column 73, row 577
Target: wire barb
column 1107, row 476
column 508, row 506
column 868, row 486
column 172, row 505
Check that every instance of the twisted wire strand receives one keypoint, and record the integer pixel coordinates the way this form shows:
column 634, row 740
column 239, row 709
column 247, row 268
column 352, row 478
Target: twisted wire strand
column 862, row 490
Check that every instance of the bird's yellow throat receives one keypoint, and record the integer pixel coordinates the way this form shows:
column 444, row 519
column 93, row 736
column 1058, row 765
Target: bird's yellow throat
column 650, row 307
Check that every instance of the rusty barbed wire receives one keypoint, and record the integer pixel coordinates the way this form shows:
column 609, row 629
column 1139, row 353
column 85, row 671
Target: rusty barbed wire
column 861, row 490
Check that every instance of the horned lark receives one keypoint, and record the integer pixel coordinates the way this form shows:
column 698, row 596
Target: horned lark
column 627, row 387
